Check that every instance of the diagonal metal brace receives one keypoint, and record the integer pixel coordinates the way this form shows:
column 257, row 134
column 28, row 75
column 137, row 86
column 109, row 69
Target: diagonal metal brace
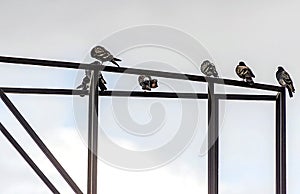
column 39, row 142
column 34, row 167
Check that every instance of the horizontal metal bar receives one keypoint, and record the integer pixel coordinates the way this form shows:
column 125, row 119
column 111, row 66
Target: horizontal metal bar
column 41, row 91
column 155, row 94
column 139, row 94
column 134, row 71
column 39, row 142
column 105, row 93
column 245, row 97
column 25, row 156
column 190, row 77
column 45, row 63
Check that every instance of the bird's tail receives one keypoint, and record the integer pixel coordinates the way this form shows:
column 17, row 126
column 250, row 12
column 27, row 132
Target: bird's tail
column 290, row 90
column 80, row 86
column 292, row 87
column 249, row 80
column 116, row 59
column 114, row 62
column 102, row 87
column 215, row 74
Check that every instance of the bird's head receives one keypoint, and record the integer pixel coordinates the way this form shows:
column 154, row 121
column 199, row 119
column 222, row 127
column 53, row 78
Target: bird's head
column 95, row 51
column 280, row 68
column 154, row 83
column 206, row 62
column 241, row 63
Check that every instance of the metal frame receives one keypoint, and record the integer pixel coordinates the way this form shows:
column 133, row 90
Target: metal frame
column 280, row 136
column 213, row 114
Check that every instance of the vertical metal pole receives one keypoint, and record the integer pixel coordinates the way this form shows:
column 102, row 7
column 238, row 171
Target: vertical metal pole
column 277, row 142
column 281, row 142
column 28, row 159
column 93, row 134
column 213, row 141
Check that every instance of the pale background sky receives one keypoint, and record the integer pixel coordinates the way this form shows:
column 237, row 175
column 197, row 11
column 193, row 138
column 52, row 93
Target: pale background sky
column 264, row 34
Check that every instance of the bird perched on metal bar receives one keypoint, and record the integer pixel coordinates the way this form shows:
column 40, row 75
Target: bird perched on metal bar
column 208, row 69
column 103, row 55
column 285, row 80
column 85, row 85
column 244, row 72
column 147, row 82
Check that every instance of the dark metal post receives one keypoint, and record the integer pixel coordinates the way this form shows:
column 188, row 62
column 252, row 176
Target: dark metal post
column 28, row 159
column 277, row 143
column 213, row 141
column 93, row 134
column 281, row 143
column 39, row 142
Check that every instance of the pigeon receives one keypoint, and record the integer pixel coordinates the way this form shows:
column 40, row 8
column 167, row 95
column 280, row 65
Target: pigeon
column 85, row 85
column 285, row 80
column 103, row 55
column 244, row 72
column 147, row 82
column 209, row 69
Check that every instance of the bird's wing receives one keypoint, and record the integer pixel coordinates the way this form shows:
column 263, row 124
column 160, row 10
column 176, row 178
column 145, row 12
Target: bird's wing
column 141, row 79
column 209, row 69
column 215, row 72
column 251, row 73
column 282, row 82
column 246, row 71
column 242, row 70
column 286, row 77
column 204, row 67
column 238, row 71
column 100, row 76
column 102, row 54
column 103, row 81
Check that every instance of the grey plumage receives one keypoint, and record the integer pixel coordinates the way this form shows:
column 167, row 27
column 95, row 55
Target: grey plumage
column 84, row 84
column 244, row 72
column 147, row 82
column 103, row 55
column 285, row 80
column 208, row 69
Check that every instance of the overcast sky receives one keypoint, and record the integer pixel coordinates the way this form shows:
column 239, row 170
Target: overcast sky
column 265, row 34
